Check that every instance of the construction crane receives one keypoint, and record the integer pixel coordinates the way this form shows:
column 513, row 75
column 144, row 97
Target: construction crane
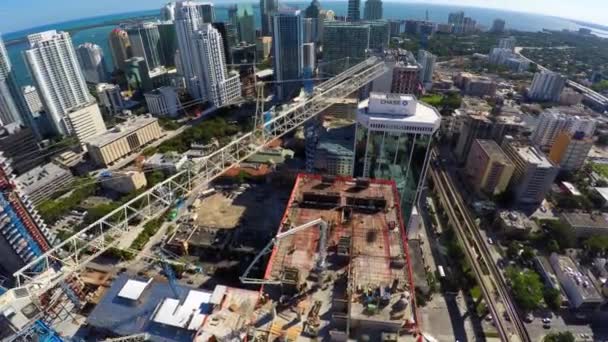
column 290, row 231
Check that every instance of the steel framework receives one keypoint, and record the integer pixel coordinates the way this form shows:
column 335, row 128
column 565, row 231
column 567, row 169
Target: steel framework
column 55, row 265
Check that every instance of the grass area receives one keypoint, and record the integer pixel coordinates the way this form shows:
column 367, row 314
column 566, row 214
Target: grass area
column 434, row 100
column 601, row 169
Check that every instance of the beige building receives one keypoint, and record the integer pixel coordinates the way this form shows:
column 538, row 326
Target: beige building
column 488, row 167
column 125, row 182
column 86, row 122
column 263, row 46
column 123, row 140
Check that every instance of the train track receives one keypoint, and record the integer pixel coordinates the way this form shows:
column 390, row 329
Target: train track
column 473, row 241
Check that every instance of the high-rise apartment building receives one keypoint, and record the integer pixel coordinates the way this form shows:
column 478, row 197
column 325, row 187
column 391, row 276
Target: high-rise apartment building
column 393, row 139
column 216, row 85
column 52, row 62
column 344, row 45
column 110, row 98
column 13, row 107
column 245, row 23
column 498, row 26
column 546, row 86
column 92, row 62
column 167, row 12
column 569, row 151
column 189, row 18
column 267, row 9
column 120, row 48
column 145, row 42
column 23, row 234
column 507, row 43
column 488, row 167
column 553, row 121
column 427, row 64
column 354, row 10
column 534, row 172
column 405, row 78
column 32, row 99
column 372, row 10
column 287, row 51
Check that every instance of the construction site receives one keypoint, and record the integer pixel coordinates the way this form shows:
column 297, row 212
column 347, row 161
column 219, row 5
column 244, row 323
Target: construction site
column 338, row 267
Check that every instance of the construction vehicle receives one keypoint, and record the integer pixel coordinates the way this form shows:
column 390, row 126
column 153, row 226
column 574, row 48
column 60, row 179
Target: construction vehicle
column 287, row 232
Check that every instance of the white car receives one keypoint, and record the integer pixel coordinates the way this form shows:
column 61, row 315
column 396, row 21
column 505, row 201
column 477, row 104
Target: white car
column 546, row 320
column 490, row 241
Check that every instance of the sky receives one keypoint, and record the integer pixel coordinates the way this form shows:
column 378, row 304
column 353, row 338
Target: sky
column 16, row 15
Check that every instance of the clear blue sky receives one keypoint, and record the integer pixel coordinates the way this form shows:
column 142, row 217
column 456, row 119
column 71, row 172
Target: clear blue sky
column 17, row 15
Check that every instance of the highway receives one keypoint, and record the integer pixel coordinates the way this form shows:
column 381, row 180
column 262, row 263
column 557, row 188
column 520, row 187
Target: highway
column 577, row 86
column 494, row 288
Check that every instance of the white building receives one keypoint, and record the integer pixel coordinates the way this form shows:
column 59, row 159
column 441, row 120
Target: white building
column 582, row 294
column 32, row 99
column 546, row 86
column 188, row 20
column 500, row 55
column 507, row 43
column 92, row 62
column 86, row 122
column 52, row 62
column 552, row 122
column 110, row 97
column 169, row 163
column 167, row 12
column 163, row 102
column 393, row 139
column 216, row 85
column 427, row 63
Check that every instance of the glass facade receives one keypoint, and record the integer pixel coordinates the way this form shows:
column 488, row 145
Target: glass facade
column 344, row 45
column 397, row 156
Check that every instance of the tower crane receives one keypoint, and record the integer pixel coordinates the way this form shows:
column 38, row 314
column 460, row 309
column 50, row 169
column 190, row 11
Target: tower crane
column 268, row 248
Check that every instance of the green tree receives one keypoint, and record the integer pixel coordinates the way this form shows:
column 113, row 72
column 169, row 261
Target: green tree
column 527, row 254
column 552, row 298
column 513, row 250
column 596, row 245
column 527, row 288
column 560, row 337
column 155, row 177
column 560, row 232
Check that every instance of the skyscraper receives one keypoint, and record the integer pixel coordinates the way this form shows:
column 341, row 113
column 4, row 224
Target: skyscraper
column 228, row 38
column 23, row 235
column 216, row 85
column 167, row 12
column 546, row 86
column 372, row 10
column 287, row 47
column 52, row 62
column 456, row 19
column 120, row 48
column 245, row 23
column 427, row 64
column 168, row 42
column 188, row 20
column 313, row 11
column 379, row 35
column 93, row 64
column 207, row 11
column 267, row 9
column 354, row 10
column 145, row 42
column 12, row 104
column 393, row 139
column 344, row 45
column 498, row 26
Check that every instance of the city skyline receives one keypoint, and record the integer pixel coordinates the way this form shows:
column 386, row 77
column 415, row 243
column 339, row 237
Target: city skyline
column 590, row 11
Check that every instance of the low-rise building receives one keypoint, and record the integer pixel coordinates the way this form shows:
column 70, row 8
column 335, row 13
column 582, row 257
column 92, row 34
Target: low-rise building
column 40, row 183
column 169, row 163
column 585, row 225
column 110, row 98
column 86, row 122
column 603, row 195
column 488, row 167
column 123, row 140
column 68, row 159
column 515, row 224
column 474, row 85
column 123, row 182
column 335, row 152
column 582, row 293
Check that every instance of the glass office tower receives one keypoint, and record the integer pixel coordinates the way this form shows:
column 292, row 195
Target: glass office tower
column 393, row 140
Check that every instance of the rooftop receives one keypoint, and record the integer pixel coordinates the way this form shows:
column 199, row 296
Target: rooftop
column 41, row 175
column 533, row 156
column 584, row 285
column 493, row 149
column 398, row 109
column 585, row 220
column 121, row 130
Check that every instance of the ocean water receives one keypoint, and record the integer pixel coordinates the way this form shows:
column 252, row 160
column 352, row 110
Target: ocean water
column 392, row 10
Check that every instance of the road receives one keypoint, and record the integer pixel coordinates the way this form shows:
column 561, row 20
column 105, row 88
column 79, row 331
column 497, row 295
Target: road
column 488, row 276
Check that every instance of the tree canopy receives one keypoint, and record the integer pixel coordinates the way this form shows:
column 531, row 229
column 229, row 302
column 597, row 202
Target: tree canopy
column 527, row 288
